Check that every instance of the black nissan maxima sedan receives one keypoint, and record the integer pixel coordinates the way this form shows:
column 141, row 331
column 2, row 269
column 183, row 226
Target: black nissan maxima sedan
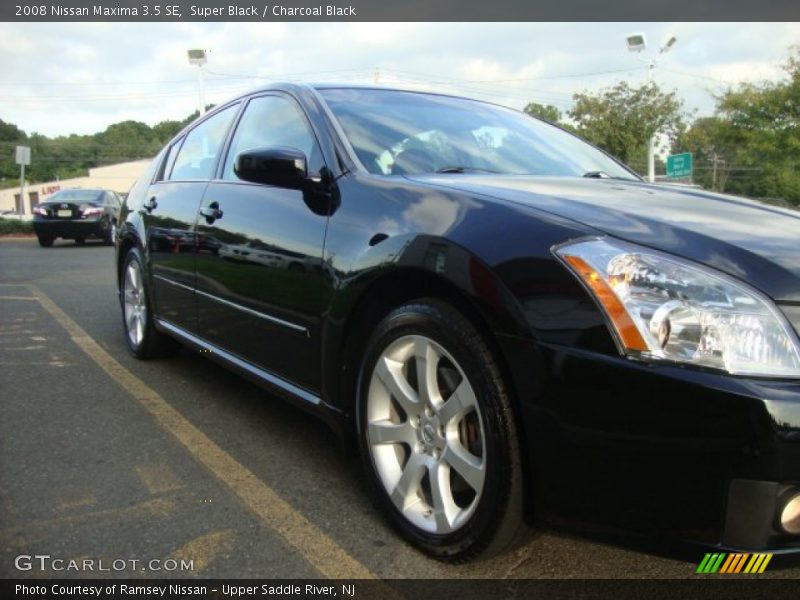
column 509, row 323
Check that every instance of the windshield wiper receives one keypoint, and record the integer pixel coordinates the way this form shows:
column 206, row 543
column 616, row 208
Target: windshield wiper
column 597, row 175
column 464, row 170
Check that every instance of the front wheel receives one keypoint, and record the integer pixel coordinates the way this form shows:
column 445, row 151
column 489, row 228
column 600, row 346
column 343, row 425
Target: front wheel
column 109, row 231
column 143, row 339
column 437, row 434
column 45, row 241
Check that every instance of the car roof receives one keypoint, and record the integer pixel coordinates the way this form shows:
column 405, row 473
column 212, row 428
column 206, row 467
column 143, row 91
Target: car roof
column 82, row 189
column 314, row 87
column 319, row 86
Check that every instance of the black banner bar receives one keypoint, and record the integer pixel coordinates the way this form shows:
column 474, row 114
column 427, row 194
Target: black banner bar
column 712, row 587
column 398, row 10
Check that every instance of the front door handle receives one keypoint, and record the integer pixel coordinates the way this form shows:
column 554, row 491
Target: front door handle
column 211, row 212
column 150, row 205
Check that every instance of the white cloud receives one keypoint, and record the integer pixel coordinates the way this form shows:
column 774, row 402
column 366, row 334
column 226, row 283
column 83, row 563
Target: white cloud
column 81, row 77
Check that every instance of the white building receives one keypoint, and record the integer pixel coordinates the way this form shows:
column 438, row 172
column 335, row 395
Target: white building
column 118, row 178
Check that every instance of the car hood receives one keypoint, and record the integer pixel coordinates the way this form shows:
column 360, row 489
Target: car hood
column 750, row 240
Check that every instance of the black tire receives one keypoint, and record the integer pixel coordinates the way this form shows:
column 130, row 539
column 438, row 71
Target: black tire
column 46, row 241
column 81, row 241
column 495, row 523
column 108, row 234
column 152, row 343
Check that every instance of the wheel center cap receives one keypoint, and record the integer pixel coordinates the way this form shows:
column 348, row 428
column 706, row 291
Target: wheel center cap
column 428, row 433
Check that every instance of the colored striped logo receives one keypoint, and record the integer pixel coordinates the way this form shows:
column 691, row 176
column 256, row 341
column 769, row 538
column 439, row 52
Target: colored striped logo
column 734, row 563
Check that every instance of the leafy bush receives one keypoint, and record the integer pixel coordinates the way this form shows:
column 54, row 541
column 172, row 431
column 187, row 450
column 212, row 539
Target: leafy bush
column 15, row 226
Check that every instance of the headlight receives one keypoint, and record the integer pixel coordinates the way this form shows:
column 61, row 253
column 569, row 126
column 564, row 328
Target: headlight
column 665, row 308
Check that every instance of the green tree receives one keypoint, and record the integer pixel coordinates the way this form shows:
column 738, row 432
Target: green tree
column 166, row 130
column 128, row 140
column 546, row 112
column 713, row 148
column 63, row 157
column 621, row 119
column 10, row 137
column 756, row 131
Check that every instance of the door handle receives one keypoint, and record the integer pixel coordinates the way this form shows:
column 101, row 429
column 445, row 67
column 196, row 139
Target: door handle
column 150, row 205
column 211, row 212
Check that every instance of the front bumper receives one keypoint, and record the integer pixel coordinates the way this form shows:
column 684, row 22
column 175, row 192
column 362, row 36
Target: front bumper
column 753, row 516
column 694, row 454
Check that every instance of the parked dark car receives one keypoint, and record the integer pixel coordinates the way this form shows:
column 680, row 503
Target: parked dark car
column 77, row 214
column 510, row 324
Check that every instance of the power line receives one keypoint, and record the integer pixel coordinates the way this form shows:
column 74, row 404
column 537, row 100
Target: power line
column 281, row 75
column 95, row 83
column 696, row 76
column 116, row 96
column 515, row 79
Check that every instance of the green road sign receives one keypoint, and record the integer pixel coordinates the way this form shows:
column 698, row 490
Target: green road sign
column 679, row 165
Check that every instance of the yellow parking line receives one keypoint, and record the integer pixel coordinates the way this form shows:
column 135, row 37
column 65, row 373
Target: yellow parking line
column 158, row 507
column 205, row 549
column 88, row 500
column 158, row 479
column 318, row 549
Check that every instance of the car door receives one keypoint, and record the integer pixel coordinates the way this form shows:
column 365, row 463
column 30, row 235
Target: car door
column 170, row 212
column 259, row 276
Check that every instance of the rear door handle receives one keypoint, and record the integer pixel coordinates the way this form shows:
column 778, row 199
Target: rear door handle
column 211, row 212
column 150, row 205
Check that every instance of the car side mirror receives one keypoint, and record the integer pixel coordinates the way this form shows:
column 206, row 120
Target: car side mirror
column 281, row 166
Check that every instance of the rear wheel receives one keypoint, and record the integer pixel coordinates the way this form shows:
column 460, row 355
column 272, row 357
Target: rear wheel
column 143, row 339
column 437, row 435
column 45, row 241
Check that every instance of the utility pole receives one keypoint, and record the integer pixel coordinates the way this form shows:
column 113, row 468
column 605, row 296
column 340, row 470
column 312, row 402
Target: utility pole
column 714, row 172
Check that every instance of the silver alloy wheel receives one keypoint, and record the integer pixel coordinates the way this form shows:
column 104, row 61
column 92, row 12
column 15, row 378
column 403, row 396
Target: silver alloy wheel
column 425, row 434
column 135, row 305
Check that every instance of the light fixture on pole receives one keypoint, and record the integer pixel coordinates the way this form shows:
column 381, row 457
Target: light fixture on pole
column 199, row 58
column 638, row 43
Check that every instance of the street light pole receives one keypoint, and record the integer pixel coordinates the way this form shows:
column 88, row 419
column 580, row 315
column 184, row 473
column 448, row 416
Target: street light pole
column 22, row 188
column 202, row 80
column 199, row 57
column 637, row 43
column 651, row 142
column 23, row 157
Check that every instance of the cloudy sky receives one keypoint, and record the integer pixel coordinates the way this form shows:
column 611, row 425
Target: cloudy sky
column 58, row 79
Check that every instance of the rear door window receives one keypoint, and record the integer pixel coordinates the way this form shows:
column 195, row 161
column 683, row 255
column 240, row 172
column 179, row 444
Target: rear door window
column 197, row 157
column 173, row 154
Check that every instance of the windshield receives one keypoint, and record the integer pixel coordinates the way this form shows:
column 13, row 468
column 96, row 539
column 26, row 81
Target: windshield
column 77, row 196
column 402, row 133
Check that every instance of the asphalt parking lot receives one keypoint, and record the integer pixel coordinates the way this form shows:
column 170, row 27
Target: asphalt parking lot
column 103, row 457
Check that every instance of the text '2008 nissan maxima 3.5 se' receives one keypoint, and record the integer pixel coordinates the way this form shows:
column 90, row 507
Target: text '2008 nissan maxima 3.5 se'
column 510, row 323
